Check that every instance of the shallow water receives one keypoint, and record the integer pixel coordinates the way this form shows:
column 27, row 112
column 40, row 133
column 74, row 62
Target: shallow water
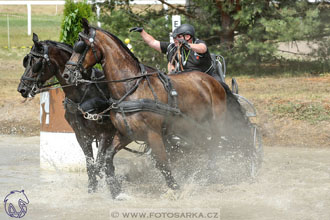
column 294, row 183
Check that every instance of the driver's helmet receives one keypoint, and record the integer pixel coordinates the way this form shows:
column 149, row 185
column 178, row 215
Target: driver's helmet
column 184, row 29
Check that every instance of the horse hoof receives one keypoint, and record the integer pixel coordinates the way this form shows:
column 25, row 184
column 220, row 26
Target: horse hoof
column 115, row 187
column 115, row 192
column 92, row 189
column 175, row 186
column 171, row 194
column 123, row 197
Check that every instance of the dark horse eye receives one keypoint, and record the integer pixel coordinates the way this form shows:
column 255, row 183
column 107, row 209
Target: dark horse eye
column 25, row 61
column 79, row 47
column 37, row 67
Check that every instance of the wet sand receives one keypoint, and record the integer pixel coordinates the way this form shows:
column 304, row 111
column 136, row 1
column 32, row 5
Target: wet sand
column 294, row 183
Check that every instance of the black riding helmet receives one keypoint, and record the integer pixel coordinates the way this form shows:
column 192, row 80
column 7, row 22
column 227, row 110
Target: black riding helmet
column 184, row 29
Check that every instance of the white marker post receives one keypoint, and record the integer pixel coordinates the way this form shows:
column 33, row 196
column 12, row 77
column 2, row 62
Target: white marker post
column 29, row 18
column 176, row 22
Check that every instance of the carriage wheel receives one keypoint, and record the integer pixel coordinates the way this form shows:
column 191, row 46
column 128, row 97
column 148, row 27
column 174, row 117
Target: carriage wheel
column 234, row 86
column 256, row 154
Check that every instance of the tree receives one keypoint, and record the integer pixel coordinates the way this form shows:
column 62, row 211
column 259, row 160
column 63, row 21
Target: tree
column 245, row 32
column 119, row 16
column 72, row 15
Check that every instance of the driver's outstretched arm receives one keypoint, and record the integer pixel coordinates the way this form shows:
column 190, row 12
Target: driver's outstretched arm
column 150, row 40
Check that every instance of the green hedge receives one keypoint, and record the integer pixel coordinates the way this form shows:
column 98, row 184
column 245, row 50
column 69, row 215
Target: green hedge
column 72, row 15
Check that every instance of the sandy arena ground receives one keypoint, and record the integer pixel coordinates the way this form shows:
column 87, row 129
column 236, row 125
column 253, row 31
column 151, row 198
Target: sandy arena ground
column 294, row 183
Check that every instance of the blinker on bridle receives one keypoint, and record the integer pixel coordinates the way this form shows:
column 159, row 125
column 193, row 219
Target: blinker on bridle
column 79, row 47
column 36, row 68
column 82, row 48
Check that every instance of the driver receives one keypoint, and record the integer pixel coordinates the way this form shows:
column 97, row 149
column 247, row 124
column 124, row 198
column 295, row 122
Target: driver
column 194, row 53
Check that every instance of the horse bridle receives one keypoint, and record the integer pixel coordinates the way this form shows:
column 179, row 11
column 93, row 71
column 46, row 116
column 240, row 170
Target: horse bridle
column 82, row 48
column 37, row 85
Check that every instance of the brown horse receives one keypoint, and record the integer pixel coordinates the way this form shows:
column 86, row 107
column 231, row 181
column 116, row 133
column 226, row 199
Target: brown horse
column 201, row 100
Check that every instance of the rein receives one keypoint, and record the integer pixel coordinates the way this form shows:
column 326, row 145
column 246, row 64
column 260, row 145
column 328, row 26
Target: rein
column 179, row 56
column 120, row 80
column 113, row 104
column 120, row 105
column 132, row 106
column 49, row 87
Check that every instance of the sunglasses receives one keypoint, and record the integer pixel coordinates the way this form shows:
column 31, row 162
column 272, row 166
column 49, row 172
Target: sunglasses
column 179, row 36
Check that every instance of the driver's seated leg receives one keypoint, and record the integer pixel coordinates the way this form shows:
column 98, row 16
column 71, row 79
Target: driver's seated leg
column 217, row 77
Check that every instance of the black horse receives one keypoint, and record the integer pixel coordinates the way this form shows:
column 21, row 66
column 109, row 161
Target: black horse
column 47, row 59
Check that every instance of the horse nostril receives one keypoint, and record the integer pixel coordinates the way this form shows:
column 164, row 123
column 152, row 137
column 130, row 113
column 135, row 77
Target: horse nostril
column 22, row 91
column 65, row 76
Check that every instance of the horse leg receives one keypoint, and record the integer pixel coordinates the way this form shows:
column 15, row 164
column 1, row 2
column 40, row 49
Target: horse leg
column 86, row 146
column 117, row 144
column 105, row 141
column 159, row 153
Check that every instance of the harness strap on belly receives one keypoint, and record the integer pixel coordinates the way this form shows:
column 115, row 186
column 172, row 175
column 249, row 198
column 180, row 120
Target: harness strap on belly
column 128, row 129
column 146, row 105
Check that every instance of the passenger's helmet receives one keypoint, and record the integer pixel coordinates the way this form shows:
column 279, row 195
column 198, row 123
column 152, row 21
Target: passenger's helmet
column 184, row 29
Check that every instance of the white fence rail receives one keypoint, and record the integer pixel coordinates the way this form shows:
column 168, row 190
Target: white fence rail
column 28, row 5
column 32, row 2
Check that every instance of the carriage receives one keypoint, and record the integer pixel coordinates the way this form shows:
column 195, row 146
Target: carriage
column 256, row 154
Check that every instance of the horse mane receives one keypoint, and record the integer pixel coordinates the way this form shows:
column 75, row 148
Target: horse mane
column 66, row 47
column 119, row 41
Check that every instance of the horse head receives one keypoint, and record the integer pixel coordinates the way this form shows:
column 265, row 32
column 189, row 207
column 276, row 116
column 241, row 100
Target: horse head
column 85, row 55
column 41, row 64
column 96, row 45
